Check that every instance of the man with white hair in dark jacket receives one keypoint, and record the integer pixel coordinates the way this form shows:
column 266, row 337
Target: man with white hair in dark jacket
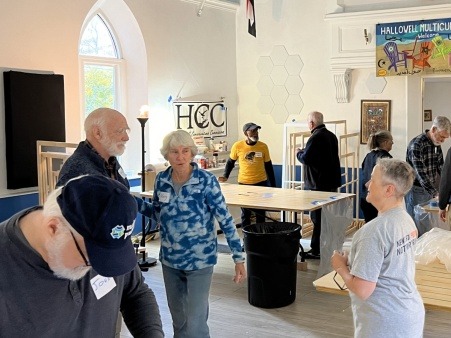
column 322, row 169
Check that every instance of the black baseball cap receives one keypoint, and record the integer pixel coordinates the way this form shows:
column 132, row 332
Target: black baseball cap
column 250, row 126
column 103, row 212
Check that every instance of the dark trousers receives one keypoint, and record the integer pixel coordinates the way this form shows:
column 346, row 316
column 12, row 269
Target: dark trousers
column 315, row 216
column 369, row 211
column 246, row 213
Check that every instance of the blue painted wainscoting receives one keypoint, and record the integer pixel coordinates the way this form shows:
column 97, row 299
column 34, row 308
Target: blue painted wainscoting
column 9, row 205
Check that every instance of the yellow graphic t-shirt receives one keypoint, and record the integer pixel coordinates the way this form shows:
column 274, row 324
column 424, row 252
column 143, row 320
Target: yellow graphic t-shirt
column 251, row 159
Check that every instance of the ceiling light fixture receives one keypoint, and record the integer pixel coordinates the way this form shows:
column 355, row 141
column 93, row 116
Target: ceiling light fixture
column 201, row 8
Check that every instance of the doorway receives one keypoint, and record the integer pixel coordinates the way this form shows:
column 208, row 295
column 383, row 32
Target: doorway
column 437, row 100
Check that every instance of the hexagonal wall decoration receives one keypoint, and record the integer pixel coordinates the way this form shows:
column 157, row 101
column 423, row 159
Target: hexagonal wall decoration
column 279, row 75
column 279, row 114
column 375, row 84
column 294, row 84
column 279, row 94
column 294, row 104
column 264, row 65
column 265, row 85
column 278, row 55
column 280, row 84
column 265, row 104
column 294, row 64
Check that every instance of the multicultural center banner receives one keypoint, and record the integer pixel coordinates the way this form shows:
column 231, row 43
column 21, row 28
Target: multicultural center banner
column 413, row 47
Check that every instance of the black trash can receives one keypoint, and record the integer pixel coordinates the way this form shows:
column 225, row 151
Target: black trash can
column 271, row 250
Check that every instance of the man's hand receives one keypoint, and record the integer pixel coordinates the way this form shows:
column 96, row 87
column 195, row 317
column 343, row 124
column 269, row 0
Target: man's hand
column 442, row 215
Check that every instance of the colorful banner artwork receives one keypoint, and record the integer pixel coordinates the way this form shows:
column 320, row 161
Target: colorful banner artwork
column 201, row 118
column 413, row 47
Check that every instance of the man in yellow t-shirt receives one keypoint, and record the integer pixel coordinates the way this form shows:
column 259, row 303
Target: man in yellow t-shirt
column 255, row 167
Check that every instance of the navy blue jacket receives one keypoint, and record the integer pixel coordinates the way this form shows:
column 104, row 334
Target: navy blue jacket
column 320, row 156
column 86, row 161
column 368, row 164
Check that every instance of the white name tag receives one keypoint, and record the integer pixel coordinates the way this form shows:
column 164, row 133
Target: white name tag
column 102, row 285
column 258, row 154
column 164, row 196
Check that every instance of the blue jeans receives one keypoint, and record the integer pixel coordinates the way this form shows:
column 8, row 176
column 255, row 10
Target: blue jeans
column 416, row 195
column 187, row 293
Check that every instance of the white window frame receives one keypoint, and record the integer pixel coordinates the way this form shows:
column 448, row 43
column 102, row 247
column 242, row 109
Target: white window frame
column 118, row 64
column 119, row 72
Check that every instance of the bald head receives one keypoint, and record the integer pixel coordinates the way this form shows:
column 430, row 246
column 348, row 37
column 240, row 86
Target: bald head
column 314, row 119
column 107, row 131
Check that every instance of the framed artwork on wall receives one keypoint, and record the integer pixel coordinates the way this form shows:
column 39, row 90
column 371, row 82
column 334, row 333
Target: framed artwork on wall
column 374, row 116
column 427, row 115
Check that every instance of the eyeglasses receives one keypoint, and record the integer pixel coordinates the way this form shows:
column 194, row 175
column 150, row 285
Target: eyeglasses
column 344, row 287
column 79, row 250
column 122, row 131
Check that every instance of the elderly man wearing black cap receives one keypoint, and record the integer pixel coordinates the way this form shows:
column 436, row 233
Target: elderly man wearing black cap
column 106, row 136
column 69, row 267
column 255, row 167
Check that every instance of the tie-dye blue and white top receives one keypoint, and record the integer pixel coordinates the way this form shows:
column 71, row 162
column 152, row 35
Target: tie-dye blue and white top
column 187, row 227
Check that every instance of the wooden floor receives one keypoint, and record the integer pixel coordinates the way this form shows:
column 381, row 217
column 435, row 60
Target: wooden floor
column 313, row 314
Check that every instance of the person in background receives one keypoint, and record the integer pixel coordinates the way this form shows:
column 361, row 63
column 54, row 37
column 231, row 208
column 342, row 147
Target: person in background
column 424, row 154
column 322, row 170
column 255, row 167
column 379, row 144
column 68, row 267
column 380, row 269
column 187, row 201
column 444, row 193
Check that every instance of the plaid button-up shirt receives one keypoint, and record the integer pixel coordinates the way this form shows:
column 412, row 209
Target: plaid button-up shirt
column 427, row 161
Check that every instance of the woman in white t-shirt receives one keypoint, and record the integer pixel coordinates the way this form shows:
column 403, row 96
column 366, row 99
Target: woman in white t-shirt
column 380, row 269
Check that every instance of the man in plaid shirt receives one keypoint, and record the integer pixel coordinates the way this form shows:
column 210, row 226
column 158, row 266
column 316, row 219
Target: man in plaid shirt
column 424, row 154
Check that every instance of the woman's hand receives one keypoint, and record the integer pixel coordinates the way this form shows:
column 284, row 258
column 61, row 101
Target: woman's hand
column 240, row 273
column 362, row 288
column 339, row 260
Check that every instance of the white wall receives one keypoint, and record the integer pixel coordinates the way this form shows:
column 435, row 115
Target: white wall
column 437, row 97
column 42, row 35
column 184, row 54
column 300, row 27
column 208, row 56
column 188, row 56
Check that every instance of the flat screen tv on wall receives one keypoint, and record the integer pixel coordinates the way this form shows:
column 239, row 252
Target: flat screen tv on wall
column 34, row 110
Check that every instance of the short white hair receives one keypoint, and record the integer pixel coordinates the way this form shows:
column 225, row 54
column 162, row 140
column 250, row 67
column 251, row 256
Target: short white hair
column 175, row 139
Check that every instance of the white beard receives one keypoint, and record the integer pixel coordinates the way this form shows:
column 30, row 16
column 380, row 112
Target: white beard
column 113, row 149
column 253, row 139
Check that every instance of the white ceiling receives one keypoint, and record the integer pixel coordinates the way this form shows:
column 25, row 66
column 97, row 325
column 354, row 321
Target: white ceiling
column 355, row 5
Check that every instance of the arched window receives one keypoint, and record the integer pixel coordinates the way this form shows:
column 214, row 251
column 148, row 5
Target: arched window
column 101, row 66
column 113, row 57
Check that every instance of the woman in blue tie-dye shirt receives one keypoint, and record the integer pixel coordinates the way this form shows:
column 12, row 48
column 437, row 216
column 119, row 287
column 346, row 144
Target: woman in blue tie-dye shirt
column 187, row 200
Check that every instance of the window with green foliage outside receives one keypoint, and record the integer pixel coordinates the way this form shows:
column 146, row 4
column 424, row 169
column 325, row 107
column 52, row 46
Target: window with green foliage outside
column 99, row 87
column 99, row 56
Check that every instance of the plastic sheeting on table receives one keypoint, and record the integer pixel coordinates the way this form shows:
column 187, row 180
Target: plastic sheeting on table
column 434, row 244
column 427, row 218
column 335, row 218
